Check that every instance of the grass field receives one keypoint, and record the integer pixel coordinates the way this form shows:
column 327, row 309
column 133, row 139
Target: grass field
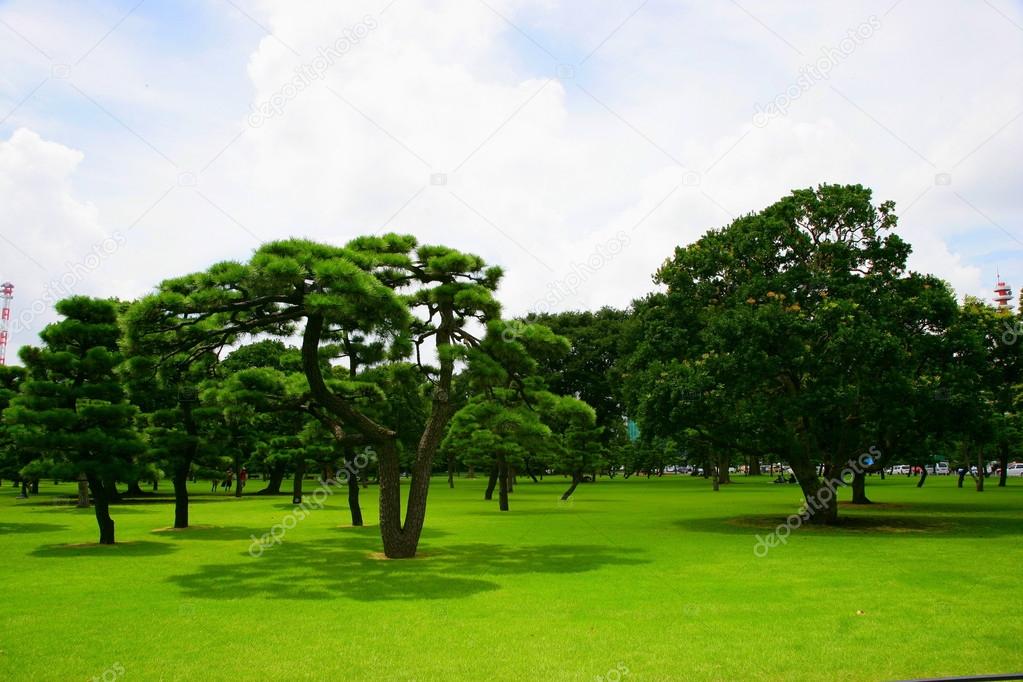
column 633, row 580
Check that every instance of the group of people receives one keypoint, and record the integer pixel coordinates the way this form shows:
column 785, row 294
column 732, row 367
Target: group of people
column 228, row 480
column 781, row 479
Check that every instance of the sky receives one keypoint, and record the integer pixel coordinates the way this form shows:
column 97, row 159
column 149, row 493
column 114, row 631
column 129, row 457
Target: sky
column 575, row 144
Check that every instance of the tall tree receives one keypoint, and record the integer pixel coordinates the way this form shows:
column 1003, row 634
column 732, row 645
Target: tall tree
column 800, row 307
column 388, row 288
column 72, row 408
column 590, row 369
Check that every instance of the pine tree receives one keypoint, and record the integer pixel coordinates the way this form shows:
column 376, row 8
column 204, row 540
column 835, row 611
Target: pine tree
column 71, row 410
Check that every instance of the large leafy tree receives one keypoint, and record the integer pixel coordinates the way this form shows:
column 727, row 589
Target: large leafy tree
column 589, row 371
column 410, row 297
column 799, row 311
column 72, row 408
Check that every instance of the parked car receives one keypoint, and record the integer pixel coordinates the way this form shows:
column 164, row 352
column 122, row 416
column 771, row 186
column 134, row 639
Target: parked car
column 942, row 468
column 898, row 469
column 1014, row 469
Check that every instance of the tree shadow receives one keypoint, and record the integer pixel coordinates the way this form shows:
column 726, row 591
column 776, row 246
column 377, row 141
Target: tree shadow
column 11, row 528
column 316, row 570
column 207, row 532
column 906, row 525
column 562, row 508
column 122, row 549
column 938, row 507
column 167, row 499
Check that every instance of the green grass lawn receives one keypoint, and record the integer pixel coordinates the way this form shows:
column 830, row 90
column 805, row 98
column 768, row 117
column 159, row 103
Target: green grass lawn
column 656, row 577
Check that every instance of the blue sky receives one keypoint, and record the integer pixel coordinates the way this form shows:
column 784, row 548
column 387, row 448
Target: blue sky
column 136, row 120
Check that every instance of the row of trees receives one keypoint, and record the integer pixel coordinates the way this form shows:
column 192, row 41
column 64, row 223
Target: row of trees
column 795, row 334
column 394, row 338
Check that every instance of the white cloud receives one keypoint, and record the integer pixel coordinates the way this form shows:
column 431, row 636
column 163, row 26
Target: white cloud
column 53, row 243
column 656, row 127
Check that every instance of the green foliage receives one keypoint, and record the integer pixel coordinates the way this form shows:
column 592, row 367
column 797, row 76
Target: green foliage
column 71, row 411
column 773, row 331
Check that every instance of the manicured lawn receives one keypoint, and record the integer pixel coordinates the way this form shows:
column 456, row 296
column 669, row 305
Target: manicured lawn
column 654, row 576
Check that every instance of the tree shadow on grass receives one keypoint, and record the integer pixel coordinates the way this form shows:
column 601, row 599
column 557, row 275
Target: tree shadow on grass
column 11, row 528
column 207, row 532
column 907, row 525
column 119, row 550
column 318, row 571
column 940, row 507
column 169, row 499
column 563, row 508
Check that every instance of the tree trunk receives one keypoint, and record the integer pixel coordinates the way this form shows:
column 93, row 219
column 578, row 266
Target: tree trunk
column 296, row 494
column 502, row 476
column 400, row 539
column 859, row 488
column 273, row 484
column 35, row 486
column 923, row 477
column 451, row 471
column 962, row 476
column 472, row 472
column 1003, row 463
column 529, row 472
column 181, row 496
column 491, row 484
column 820, row 496
column 716, row 478
column 238, row 476
column 723, row 474
column 754, row 466
column 576, row 478
column 511, row 479
column 83, row 492
column 134, row 490
column 353, row 487
column 184, row 467
column 100, row 496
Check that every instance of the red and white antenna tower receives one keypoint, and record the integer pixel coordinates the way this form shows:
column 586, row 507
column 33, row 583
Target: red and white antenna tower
column 1003, row 294
column 6, row 293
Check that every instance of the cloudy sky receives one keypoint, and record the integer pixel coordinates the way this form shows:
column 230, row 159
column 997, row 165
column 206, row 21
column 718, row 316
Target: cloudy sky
column 574, row 143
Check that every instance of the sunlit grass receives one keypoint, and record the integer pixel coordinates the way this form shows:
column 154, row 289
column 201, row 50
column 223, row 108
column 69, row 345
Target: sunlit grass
column 654, row 576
